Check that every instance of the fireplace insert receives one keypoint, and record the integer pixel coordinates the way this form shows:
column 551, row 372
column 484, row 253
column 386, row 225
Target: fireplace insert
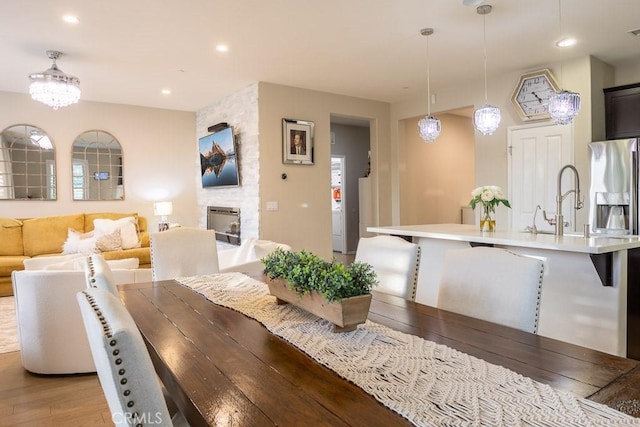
column 226, row 222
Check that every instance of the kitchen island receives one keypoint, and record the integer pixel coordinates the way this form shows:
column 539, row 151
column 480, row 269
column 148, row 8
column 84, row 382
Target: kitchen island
column 586, row 287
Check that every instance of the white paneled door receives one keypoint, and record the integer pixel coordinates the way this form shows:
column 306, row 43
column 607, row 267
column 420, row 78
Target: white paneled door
column 537, row 153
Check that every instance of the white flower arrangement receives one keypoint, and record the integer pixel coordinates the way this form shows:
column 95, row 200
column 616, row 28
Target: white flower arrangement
column 490, row 196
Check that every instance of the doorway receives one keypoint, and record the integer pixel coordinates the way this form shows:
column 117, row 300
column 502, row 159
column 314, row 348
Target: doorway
column 338, row 205
column 351, row 142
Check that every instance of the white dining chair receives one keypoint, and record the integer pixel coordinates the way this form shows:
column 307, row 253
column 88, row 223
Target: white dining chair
column 182, row 252
column 98, row 274
column 125, row 370
column 492, row 284
column 395, row 261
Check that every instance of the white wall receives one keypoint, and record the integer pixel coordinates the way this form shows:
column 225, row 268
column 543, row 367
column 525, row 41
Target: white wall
column 159, row 150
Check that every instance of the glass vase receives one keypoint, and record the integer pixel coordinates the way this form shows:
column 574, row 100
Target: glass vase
column 486, row 222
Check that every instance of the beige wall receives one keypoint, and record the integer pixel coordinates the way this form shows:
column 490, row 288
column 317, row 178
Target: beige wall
column 491, row 152
column 437, row 178
column 303, row 219
column 159, row 150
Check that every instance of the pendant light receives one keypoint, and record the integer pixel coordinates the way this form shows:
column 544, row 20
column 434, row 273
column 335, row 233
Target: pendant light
column 564, row 105
column 429, row 127
column 53, row 87
column 487, row 118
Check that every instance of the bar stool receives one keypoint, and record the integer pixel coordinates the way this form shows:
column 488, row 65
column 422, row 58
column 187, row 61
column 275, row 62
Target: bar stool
column 492, row 284
column 395, row 262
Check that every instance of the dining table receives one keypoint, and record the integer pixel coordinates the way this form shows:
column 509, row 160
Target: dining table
column 223, row 368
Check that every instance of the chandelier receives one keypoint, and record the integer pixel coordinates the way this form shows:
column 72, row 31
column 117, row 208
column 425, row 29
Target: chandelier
column 53, row 87
column 429, row 127
column 564, row 105
column 486, row 118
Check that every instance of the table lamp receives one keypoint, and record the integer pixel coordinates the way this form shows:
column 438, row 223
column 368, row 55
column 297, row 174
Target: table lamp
column 163, row 210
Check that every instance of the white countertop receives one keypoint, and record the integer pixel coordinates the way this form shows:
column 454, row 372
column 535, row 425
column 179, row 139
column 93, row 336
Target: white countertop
column 470, row 233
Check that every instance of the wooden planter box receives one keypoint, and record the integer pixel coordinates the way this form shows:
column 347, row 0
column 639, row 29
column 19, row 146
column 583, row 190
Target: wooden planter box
column 345, row 315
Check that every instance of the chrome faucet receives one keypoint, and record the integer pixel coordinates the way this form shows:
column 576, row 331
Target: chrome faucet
column 533, row 229
column 558, row 221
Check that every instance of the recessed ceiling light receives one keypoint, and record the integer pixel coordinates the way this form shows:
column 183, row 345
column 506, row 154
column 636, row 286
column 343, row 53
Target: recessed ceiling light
column 222, row 48
column 568, row 42
column 70, row 19
column 166, row 91
column 472, row 2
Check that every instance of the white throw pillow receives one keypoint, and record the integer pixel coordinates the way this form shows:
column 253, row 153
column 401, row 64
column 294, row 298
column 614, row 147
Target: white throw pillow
column 128, row 230
column 79, row 243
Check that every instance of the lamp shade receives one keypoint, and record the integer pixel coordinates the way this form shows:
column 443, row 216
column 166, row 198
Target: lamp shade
column 564, row 107
column 429, row 128
column 487, row 119
column 162, row 208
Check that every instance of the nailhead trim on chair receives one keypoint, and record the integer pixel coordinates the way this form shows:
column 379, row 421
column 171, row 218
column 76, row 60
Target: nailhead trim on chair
column 116, row 352
column 92, row 271
column 537, row 318
column 415, row 275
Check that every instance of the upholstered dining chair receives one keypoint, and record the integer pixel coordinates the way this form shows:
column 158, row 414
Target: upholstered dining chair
column 98, row 274
column 183, row 251
column 126, row 373
column 492, row 284
column 395, row 261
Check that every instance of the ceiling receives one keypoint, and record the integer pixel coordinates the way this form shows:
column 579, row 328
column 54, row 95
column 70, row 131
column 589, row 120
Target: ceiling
column 127, row 51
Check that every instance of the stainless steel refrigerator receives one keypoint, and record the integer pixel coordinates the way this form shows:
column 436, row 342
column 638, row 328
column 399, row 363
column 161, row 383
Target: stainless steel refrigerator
column 613, row 191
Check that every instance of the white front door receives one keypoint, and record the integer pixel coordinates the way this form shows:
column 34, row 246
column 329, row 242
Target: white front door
column 537, row 153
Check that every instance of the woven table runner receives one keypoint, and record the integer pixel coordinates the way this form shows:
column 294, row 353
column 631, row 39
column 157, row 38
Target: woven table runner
column 429, row 384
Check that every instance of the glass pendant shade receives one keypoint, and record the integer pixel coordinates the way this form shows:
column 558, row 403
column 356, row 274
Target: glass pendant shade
column 53, row 87
column 429, row 128
column 487, row 119
column 564, row 107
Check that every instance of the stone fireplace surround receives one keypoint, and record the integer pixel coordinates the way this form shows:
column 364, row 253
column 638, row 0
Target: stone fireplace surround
column 239, row 110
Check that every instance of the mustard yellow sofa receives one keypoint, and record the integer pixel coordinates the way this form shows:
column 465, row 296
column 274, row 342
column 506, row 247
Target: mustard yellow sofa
column 21, row 239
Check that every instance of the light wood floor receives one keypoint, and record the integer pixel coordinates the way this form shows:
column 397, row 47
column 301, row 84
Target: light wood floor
column 42, row 400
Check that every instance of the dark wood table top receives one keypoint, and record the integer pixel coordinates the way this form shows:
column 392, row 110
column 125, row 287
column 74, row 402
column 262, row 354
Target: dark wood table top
column 224, row 368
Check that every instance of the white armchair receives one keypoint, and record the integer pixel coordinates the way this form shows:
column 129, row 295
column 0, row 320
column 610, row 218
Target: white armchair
column 52, row 338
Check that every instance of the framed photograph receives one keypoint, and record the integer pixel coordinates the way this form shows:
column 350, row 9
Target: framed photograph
column 218, row 159
column 297, row 142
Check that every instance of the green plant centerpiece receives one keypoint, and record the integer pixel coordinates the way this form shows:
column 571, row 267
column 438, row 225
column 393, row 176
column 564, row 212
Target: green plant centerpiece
column 338, row 293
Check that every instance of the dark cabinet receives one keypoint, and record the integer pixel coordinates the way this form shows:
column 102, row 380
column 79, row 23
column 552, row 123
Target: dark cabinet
column 622, row 111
